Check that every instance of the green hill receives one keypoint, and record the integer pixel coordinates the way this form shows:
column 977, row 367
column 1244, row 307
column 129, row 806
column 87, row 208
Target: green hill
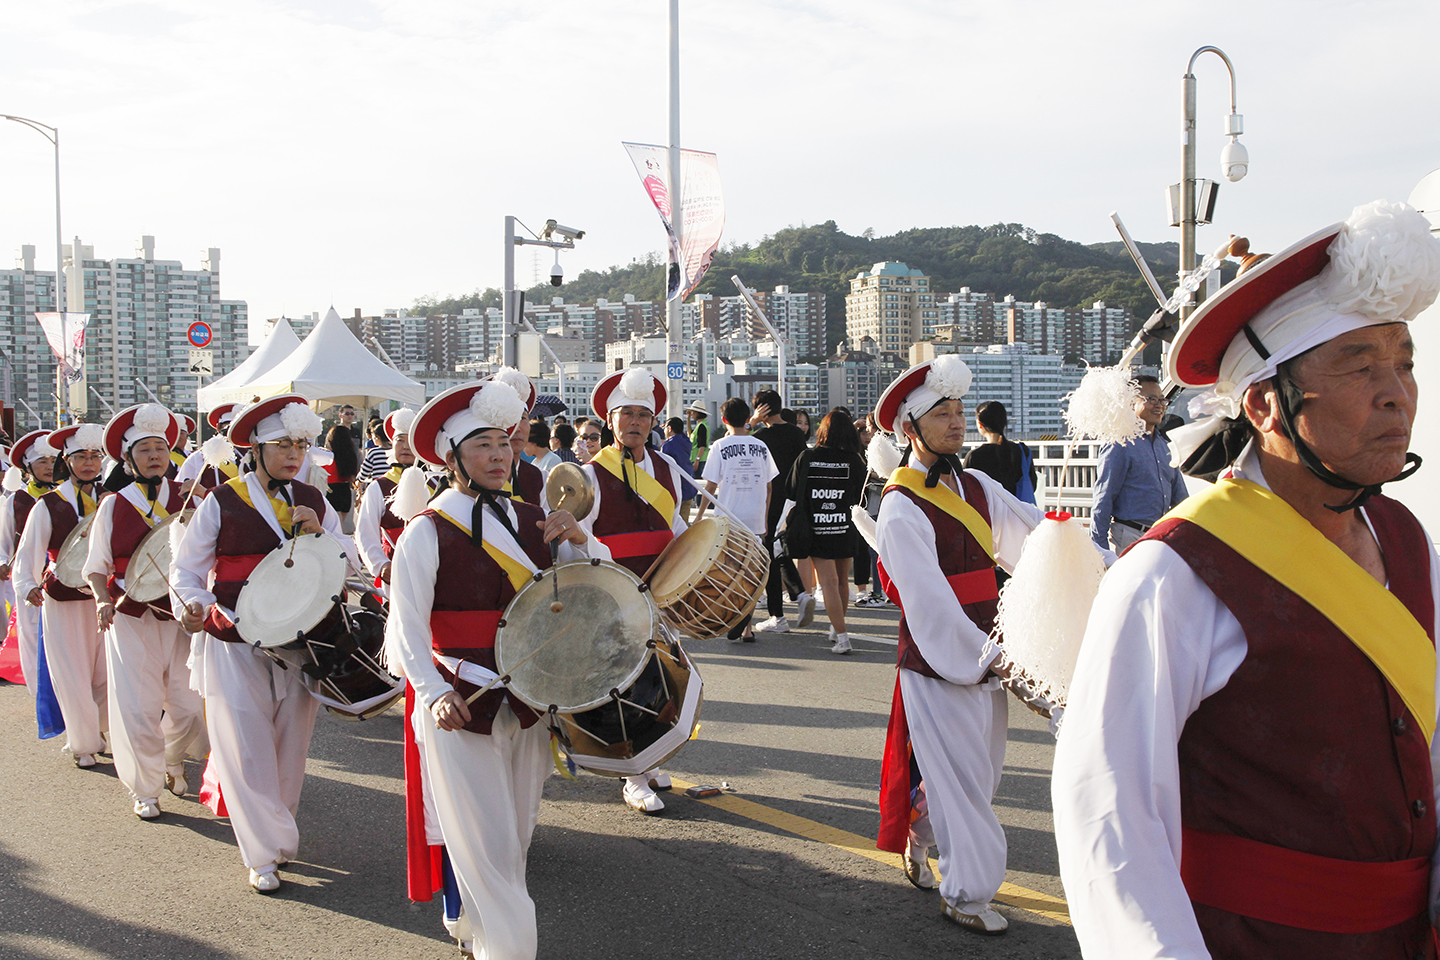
column 1001, row 259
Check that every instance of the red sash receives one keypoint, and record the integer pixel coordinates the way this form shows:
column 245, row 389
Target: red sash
column 642, row 543
column 237, row 568
column 463, row 630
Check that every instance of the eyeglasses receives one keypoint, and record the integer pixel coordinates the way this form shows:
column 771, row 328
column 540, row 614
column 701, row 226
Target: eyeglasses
column 1160, row 401
column 290, row 445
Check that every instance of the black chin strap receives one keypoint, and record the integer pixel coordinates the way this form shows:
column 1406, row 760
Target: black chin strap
column 482, row 498
column 152, row 490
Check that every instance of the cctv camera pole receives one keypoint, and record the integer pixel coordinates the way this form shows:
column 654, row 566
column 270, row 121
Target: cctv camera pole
column 1187, row 175
column 510, row 304
column 674, row 388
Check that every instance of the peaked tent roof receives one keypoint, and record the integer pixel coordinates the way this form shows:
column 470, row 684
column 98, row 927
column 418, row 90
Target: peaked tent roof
column 332, row 367
column 234, row 386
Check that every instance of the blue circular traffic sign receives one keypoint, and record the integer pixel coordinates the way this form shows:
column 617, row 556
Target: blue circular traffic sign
column 199, row 334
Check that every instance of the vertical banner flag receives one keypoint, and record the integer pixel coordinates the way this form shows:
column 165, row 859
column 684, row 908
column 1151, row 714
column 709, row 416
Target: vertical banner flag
column 702, row 210
column 67, row 340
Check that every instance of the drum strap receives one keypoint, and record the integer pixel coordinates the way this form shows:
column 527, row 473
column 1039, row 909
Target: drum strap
column 1302, row 890
column 1267, row 531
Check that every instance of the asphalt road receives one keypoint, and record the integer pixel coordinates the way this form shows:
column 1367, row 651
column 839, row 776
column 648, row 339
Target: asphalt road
column 789, row 726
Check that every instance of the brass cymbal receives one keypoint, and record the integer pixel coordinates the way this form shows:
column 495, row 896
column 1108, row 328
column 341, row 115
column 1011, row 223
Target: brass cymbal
column 568, row 488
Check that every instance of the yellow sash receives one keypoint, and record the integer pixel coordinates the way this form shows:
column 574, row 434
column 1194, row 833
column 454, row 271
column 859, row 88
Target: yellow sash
column 282, row 509
column 37, row 491
column 652, row 491
column 949, row 501
column 177, row 458
column 518, row 574
column 393, row 474
column 157, row 510
column 231, row 470
column 1267, row 531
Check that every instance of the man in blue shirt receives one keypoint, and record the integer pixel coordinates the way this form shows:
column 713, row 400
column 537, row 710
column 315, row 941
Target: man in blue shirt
column 1135, row 484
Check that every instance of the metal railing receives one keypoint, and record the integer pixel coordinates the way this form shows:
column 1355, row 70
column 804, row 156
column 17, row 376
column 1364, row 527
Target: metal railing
column 1073, row 480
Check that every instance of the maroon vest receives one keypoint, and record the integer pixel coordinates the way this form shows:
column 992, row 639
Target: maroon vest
column 243, row 541
column 625, row 511
column 63, row 519
column 1307, row 746
column 959, row 553
column 127, row 529
column 527, row 483
column 468, row 581
column 21, row 503
column 391, row 526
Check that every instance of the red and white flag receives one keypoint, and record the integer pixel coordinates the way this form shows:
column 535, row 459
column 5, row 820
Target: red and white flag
column 66, row 333
column 702, row 210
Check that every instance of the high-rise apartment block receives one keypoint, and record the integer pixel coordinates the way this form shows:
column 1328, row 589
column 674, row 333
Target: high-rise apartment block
column 888, row 303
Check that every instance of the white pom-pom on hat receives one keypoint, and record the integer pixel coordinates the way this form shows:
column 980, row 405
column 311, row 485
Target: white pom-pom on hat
column 39, row 450
column 412, row 494
column 14, row 480
column 90, row 436
column 399, row 422
column 949, row 376
column 218, row 450
column 301, row 423
column 517, row 381
column 1384, row 265
column 1103, row 406
column 152, row 418
column 636, row 387
column 497, row 405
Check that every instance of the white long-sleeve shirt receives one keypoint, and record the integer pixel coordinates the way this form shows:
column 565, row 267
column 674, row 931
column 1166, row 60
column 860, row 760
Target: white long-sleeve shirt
column 1158, row 643
column 677, row 522
column 367, row 528
column 30, row 556
column 195, row 555
column 412, row 584
column 7, row 528
column 948, row 639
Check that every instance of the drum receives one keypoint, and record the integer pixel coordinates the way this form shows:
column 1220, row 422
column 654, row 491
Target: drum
column 340, row 659
column 70, row 558
column 295, row 587
column 709, row 578
column 149, row 567
column 614, row 685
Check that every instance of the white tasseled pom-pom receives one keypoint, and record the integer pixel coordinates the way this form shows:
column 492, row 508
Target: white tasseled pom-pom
column 866, row 525
column 882, row 456
column 14, row 480
column 411, row 494
column 218, row 450
column 1045, row 605
column 1103, row 407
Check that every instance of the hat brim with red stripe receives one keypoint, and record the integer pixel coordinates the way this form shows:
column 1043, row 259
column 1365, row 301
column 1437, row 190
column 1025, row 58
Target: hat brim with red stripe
column 600, row 396
column 122, row 421
column 213, row 417
column 431, row 420
column 896, row 393
column 245, row 422
column 22, row 446
column 1194, row 356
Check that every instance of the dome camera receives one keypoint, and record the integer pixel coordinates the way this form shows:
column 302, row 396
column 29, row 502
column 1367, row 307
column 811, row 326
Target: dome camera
column 557, row 274
column 1235, row 161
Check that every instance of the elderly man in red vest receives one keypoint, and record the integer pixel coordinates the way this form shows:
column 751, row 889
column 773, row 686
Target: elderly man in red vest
column 155, row 717
column 261, row 714
column 1246, row 767
column 635, row 514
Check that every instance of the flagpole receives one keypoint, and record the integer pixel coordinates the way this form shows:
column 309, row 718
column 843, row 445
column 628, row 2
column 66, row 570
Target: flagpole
column 677, row 219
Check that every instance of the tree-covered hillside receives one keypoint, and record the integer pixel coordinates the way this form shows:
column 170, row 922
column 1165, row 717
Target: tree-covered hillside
column 999, row 260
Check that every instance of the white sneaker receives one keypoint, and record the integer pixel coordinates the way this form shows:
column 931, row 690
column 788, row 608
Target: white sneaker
column 147, row 809
column 267, row 882
column 978, row 918
column 841, row 644
column 641, row 797
column 917, row 867
column 175, row 781
column 658, row 780
column 806, row 615
column 773, row 625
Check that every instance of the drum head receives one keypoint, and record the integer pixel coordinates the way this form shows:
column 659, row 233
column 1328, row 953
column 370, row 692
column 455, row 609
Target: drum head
column 687, row 557
column 150, row 563
column 602, row 634
column 290, row 591
column 70, row 559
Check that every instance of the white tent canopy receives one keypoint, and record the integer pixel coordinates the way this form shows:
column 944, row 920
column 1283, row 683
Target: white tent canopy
column 332, row 367
column 234, row 387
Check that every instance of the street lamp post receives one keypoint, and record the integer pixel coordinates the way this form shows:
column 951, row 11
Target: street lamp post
column 513, row 316
column 1233, row 159
column 677, row 216
column 53, row 135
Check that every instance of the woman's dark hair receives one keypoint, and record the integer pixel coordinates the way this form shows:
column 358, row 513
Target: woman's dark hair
column 539, row 433
column 838, row 432
column 992, row 416
column 341, row 442
column 565, row 434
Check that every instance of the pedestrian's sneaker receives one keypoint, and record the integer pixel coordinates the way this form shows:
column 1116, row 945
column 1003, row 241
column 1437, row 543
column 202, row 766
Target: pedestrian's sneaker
column 872, row 600
column 640, row 796
column 978, row 918
column 147, row 809
column 917, row 867
column 265, row 882
column 806, row 616
column 773, row 625
column 841, row 644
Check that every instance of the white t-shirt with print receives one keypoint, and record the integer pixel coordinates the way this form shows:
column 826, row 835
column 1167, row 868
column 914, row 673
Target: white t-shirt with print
column 741, row 466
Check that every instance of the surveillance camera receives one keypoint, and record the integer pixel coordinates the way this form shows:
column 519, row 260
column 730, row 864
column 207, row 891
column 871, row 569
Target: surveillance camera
column 557, row 274
column 1235, row 161
column 569, row 233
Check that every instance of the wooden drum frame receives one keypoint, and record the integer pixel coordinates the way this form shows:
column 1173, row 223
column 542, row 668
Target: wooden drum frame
column 709, row 578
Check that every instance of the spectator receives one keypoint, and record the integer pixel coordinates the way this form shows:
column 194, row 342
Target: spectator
column 1009, row 463
column 865, row 555
column 802, row 421
column 825, row 483
column 587, row 439
column 699, row 439
column 677, row 448
column 377, row 452
column 562, row 439
column 1135, row 485
column 741, row 469
column 346, row 418
column 537, row 447
column 341, row 472
column 786, row 443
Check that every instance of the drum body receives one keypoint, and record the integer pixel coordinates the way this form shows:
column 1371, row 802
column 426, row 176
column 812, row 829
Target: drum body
column 614, row 686
column 341, row 662
column 70, row 558
column 709, row 578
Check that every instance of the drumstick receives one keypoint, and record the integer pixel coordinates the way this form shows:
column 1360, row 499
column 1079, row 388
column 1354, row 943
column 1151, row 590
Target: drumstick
column 476, row 695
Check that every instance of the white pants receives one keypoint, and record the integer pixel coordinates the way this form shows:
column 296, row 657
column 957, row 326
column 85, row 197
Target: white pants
column 260, row 719
column 487, row 798
column 75, row 656
column 155, row 718
column 958, row 733
column 27, row 633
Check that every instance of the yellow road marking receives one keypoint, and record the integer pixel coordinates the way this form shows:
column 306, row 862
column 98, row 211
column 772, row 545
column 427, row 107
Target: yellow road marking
column 1052, row 908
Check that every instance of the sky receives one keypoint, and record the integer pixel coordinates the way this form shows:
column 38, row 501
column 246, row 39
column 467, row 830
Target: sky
column 364, row 154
